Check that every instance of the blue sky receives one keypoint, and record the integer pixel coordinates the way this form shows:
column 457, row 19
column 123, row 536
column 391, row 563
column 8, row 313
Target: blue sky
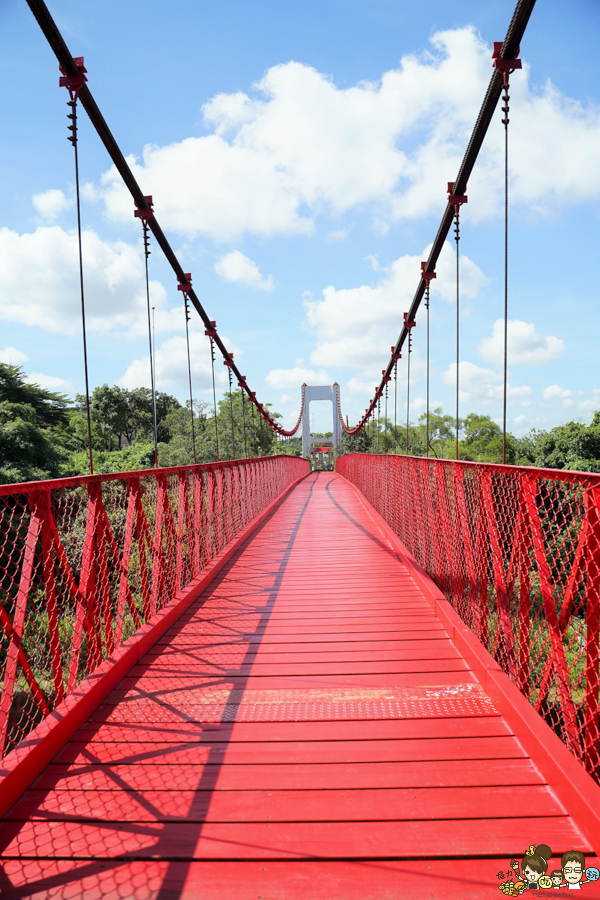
column 298, row 155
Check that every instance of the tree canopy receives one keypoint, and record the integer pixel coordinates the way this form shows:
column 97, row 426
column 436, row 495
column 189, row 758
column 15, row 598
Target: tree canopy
column 50, row 408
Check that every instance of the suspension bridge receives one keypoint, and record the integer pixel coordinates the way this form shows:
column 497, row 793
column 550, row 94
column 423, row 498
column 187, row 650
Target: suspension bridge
column 245, row 679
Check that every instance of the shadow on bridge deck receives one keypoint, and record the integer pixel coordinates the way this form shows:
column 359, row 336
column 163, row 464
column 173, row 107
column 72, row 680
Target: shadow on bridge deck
column 307, row 729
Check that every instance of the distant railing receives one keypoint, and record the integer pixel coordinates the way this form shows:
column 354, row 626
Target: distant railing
column 84, row 562
column 516, row 551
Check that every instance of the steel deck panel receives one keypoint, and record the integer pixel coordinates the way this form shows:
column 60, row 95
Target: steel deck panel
column 307, row 728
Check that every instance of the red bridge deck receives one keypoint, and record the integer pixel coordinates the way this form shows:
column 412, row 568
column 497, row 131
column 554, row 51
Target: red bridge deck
column 308, row 729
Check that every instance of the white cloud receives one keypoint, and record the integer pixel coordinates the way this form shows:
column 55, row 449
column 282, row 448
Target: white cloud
column 280, row 379
column 356, row 326
column 12, row 357
column 171, row 365
column 50, row 382
column 39, row 283
column 555, row 392
column 472, row 279
column 519, row 420
column 298, row 146
column 235, row 266
column 484, row 386
column 526, row 346
column 591, row 404
column 51, row 204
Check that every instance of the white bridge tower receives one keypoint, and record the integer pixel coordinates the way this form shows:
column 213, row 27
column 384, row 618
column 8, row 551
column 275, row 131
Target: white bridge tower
column 320, row 392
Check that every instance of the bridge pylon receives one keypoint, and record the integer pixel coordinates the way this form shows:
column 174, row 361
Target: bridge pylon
column 320, row 392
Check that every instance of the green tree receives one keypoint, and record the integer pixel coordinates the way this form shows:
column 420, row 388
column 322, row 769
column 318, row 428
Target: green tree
column 249, row 436
column 356, row 443
column 27, row 451
column 128, row 459
column 442, row 433
column 50, row 407
column 30, row 420
column 116, row 413
column 483, row 441
column 179, row 449
column 260, row 439
column 574, row 446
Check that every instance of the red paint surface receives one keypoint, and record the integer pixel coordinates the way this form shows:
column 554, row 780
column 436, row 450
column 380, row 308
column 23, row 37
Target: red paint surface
column 318, row 613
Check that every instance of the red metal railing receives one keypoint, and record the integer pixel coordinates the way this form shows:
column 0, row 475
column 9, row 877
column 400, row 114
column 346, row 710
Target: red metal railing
column 84, row 562
column 516, row 551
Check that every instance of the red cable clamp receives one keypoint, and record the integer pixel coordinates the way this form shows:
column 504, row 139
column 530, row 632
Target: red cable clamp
column 395, row 356
column 212, row 331
column 456, row 200
column 408, row 323
column 73, row 83
column 242, row 381
column 144, row 213
column 426, row 276
column 505, row 66
column 228, row 362
column 186, row 285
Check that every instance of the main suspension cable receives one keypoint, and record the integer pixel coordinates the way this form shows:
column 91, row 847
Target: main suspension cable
column 74, row 83
column 504, row 55
column 70, row 69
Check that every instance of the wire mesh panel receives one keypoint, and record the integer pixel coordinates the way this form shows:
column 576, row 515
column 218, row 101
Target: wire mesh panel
column 84, row 562
column 516, row 551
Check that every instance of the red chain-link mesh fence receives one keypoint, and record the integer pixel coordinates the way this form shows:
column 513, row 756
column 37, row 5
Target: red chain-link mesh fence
column 84, row 562
column 516, row 551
